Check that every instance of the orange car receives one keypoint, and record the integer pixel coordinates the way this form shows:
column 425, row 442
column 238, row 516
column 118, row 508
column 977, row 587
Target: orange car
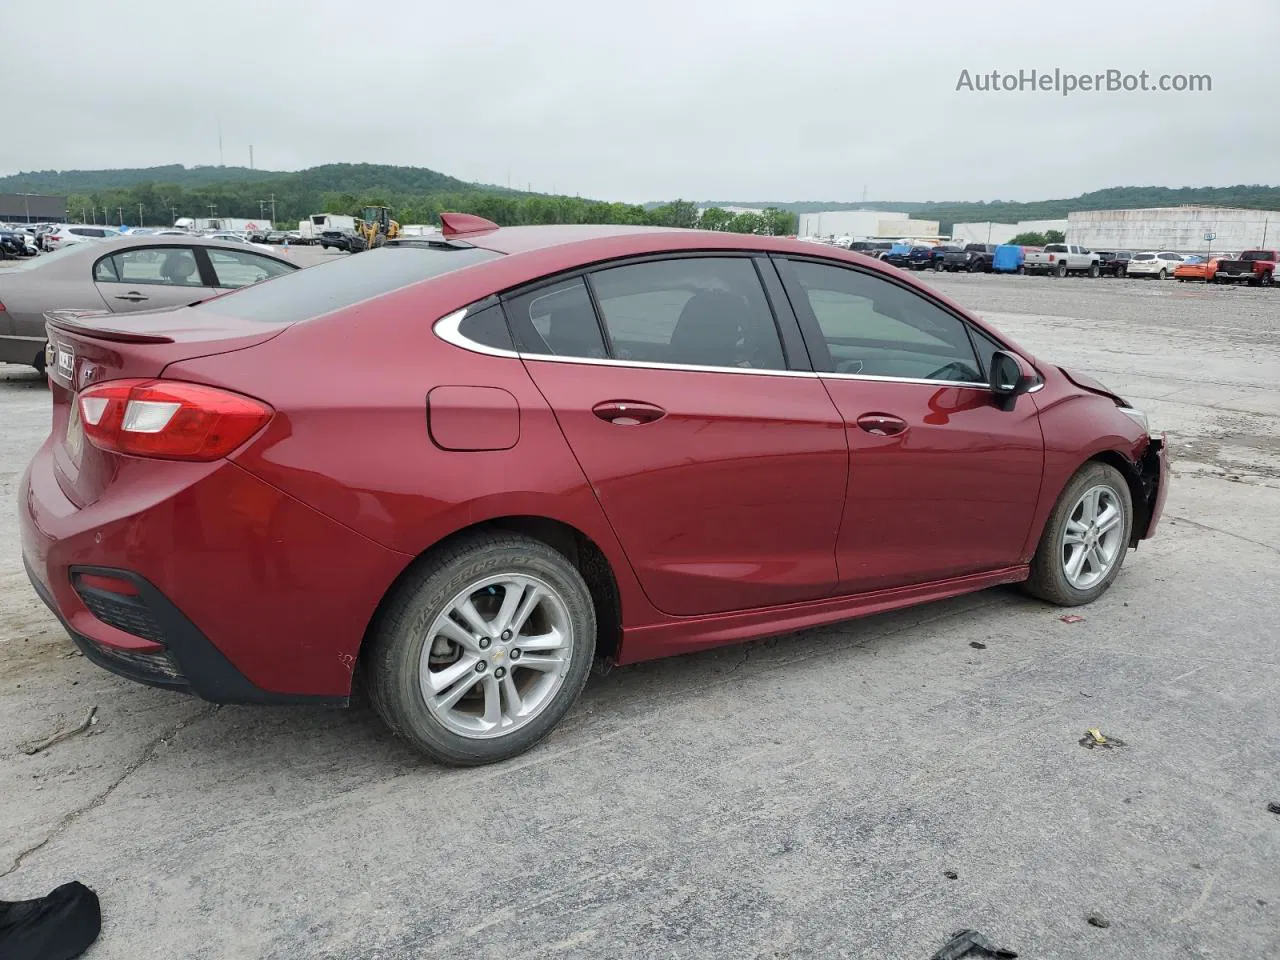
column 1197, row 271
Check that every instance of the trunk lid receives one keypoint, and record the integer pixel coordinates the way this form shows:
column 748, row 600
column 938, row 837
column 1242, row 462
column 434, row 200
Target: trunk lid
column 88, row 347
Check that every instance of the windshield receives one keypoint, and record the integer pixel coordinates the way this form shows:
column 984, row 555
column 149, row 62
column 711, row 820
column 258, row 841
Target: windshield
column 315, row 291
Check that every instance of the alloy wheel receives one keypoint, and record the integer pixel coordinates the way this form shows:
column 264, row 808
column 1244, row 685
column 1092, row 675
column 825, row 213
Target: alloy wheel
column 1091, row 538
column 494, row 659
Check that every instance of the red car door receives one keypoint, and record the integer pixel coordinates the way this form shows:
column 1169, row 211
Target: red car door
column 721, row 470
column 942, row 481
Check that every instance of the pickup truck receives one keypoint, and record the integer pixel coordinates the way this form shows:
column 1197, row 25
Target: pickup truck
column 1063, row 258
column 1257, row 267
column 974, row 257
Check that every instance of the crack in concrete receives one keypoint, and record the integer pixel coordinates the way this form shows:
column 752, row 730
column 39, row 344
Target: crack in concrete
column 1226, row 533
column 69, row 818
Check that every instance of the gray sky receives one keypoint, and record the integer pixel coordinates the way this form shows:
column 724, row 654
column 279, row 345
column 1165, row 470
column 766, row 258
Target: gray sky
column 748, row 100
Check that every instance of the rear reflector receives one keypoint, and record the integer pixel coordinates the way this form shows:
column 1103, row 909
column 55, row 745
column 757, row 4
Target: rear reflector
column 168, row 419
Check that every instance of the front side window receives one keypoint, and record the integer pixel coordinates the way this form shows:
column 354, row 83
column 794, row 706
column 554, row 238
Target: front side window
column 699, row 311
column 234, row 268
column 167, row 266
column 876, row 328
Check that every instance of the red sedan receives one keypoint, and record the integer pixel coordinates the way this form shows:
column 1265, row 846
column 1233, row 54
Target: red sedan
column 474, row 464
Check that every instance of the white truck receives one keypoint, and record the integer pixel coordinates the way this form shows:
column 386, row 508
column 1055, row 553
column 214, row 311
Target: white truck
column 1061, row 259
column 313, row 228
column 222, row 225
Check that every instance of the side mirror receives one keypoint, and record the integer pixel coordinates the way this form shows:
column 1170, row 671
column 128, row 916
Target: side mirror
column 1011, row 377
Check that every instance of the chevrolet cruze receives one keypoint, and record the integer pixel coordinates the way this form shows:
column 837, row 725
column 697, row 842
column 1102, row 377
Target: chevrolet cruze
column 472, row 465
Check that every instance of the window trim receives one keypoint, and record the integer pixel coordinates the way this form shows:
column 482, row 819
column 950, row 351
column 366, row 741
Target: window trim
column 817, row 344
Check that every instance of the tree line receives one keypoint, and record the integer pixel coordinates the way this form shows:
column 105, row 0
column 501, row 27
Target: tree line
column 149, row 204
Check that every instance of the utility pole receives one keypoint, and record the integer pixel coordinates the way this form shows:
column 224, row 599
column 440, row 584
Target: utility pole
column 173, row 214
column 139, row 214
column 220, row 163
column 262, row 213
column 273, row 210
column 251, row 156
column 1265, row 223
column 213, row 210
column 120, row 214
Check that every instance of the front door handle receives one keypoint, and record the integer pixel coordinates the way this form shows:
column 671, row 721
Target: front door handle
column 133, row 296
column 882, row 424
column 628, row 413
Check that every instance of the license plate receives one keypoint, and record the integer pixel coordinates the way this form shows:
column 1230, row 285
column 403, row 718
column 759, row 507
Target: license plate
column 75, row 433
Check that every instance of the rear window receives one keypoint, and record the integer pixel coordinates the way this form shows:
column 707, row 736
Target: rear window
column 1145, row 256
column 1258, row 255
column 1055, row 248
column 332, row 286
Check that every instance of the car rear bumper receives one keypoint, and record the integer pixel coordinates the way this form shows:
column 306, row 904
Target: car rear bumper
column 240, row 594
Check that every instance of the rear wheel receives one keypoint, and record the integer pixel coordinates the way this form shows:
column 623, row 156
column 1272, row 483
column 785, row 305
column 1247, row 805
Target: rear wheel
column 1164, row 274
column 1062, row 270
column 482, row 649
column 1084, row 541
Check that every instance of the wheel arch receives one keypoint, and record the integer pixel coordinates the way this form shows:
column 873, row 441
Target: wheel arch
column 567, row 540
column 1132, row 474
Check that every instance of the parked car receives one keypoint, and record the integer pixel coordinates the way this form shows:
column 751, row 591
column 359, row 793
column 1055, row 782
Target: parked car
column 1061, row 259
column 1009, row 258
column 15, row 243
column 276, row 237
column 975, row 257
column 67, row 233
column 1113, row 263
column 1152, row 264
column 875, row 249
column 1201, row 269
column 634, row 443
column 909, row 256
column 935, row 257
column 120, row 276
column 342, row 240
column 1256, row 267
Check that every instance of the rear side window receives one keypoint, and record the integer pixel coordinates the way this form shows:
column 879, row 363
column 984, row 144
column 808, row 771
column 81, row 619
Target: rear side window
column 699, row 311
column 235, row 269
column 487, row 326
column 309, row 293
column 557, row 320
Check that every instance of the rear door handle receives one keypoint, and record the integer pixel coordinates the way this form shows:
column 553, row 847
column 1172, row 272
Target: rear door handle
column 628, row 413
column 882, row 424
column 133, row 296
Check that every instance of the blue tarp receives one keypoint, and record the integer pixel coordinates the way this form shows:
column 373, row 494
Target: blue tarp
column 1008, row 258
column 900, row 248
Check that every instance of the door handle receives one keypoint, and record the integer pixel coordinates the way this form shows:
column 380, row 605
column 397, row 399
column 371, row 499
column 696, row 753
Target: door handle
column 133, row 296
column 882, row 424
column 628, row 413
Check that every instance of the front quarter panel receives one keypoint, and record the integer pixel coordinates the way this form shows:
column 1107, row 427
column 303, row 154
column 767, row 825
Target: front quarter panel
column 1078, row 426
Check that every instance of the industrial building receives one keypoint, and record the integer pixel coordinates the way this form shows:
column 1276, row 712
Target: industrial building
column 32, row 208
column 864, row 223
column 1180, row 229
column 992, row 232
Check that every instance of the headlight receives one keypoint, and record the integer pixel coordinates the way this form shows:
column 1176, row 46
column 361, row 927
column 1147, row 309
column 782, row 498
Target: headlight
column 1137, row 415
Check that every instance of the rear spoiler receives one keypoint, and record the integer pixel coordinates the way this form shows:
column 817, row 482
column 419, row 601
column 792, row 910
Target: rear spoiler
column 74, row 321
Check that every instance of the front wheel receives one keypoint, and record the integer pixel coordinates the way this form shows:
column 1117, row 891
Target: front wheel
column 1084, row 541
column 1121, row 271
column 1094, row 270
column 937, row 268
column 482, row 649
column 1266, row 280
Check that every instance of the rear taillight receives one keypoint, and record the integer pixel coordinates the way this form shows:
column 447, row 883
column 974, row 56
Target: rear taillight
column 1051, row 258
column 169, row 420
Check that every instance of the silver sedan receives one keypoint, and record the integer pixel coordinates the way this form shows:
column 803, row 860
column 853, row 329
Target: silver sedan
column 121, row 275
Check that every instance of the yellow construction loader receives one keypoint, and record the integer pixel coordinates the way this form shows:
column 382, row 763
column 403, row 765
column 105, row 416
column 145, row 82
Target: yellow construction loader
column 376, row 227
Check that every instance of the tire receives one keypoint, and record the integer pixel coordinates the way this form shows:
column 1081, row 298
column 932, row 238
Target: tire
column 1163, row 275
column 1266, row 280
column 1021, row 271
column 1049, row 580
column 1062, row 270
column 1094, row 271
column 937, row 267
column 1121, row 272
column 975, row 267
column 425, row 596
